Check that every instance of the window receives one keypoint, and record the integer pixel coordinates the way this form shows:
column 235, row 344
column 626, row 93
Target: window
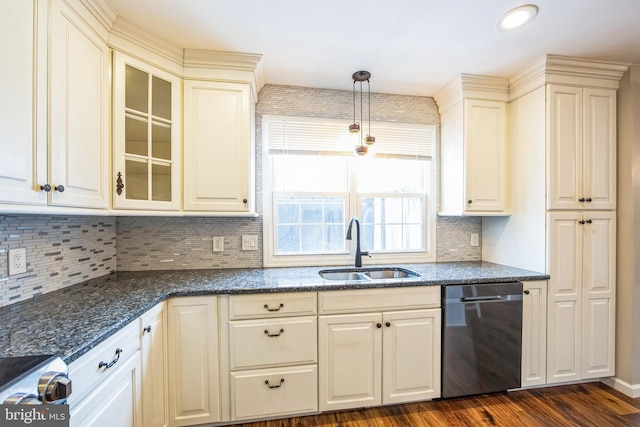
column 314, row 184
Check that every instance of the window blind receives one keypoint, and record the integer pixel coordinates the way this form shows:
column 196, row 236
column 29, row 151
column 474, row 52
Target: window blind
column 302, row 135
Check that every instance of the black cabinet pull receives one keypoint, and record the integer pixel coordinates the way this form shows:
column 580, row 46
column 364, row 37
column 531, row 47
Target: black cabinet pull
column 388, row 324
column 273, row 309
column 244, row 200
column 106, row 365
column 266, row 331
column 45, row 187
column 526, row 292
column 274, row 386
column 379, row 325
column 147, row 328
column 469, row 201
column 589, row 200
column 589, row 221
column 581, row 222
column 582, row 200
column 119, row 184
column 59, row 188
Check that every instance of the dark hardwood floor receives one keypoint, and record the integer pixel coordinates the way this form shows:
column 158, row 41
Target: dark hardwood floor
column 584, row 405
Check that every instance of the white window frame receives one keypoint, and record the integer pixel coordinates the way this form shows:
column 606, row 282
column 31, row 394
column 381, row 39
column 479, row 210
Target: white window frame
column 352, row 209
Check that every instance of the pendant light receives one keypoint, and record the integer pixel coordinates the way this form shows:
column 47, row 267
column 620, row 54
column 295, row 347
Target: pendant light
column 363, row 148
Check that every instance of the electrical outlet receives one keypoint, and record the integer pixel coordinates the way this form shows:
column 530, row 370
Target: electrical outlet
column 249, row 242
column 218, row 244
column 17, row 261
column 475, row 239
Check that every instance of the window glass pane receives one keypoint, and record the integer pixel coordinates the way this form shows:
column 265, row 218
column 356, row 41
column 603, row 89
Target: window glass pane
column 392, row 223
column 391, row 176
column 136, row 139
column 161, row 183
column 136, row 89
column 310, row 173
column 136, row 184
column 311, row 238
column 161, row 143
column 311, row 212
column 288, row 213
column 288, row 238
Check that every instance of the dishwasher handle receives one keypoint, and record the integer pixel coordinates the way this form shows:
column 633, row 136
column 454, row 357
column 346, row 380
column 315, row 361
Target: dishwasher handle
column 484, row 298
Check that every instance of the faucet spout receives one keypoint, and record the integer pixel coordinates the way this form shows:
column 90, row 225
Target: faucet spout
column 359, row 253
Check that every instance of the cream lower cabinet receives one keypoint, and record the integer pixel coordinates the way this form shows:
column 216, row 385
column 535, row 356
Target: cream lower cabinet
column 534, row 333
column 581, row 302
column 153, row 350
column 378, row 357
column 273, row 355
column 193, row 360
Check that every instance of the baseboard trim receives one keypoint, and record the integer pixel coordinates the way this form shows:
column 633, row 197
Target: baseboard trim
column 631, row 390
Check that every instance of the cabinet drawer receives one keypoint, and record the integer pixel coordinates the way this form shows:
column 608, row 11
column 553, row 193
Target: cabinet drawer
column 274, row 392
column 272, row 305
column 85, row 371
column 368, row 300
column 272, row 342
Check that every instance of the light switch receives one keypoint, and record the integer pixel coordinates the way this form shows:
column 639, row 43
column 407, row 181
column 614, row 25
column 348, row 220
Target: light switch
column 249, row 242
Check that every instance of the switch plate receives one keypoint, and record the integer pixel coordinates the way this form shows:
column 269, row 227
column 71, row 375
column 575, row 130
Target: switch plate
column 218, row 244
column 475, row 239
column 249, row 242
column 17, row 261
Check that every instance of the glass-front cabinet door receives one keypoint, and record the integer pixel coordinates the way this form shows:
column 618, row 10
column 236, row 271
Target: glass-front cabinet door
column 146, row 119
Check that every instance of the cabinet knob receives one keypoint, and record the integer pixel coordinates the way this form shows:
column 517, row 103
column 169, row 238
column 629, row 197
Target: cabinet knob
column 526, row 292
column 388, row 324
column 589, row 221
column 378, row 325
column 244, row 200
column 59, row 188
column 147, row 328
column 582, row 200
column 581, row 222
column 45, row 187
column 589, row 200
column 469, row 201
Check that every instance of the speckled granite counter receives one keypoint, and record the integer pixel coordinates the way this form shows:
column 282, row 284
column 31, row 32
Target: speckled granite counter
column 71, row 321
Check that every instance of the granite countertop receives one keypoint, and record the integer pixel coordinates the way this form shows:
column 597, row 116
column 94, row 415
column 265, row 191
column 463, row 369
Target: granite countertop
column 71, row 321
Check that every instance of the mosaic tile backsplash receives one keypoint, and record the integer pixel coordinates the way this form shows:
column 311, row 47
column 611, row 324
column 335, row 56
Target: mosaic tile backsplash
column 61, row 251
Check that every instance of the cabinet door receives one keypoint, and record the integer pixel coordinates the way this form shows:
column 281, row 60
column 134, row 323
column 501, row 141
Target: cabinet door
column 485, row 155
column 78, row 110
column 534, row 333
column 565, row 297
column 599, row 189
column 18, row 143
column 565, row 147
column 146, row 136
column 153, row 349
column 350, row 361
column 598, row 299
column 193, row 361
column 218, row 147
column 115, row 402
column 411, row 356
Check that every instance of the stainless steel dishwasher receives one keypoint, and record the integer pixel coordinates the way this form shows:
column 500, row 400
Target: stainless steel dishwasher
column 481, row 338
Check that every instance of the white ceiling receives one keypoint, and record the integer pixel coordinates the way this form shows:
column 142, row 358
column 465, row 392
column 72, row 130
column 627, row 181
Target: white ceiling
column 410, row 47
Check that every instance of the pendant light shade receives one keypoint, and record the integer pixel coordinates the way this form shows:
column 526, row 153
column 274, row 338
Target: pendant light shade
column 359, row 77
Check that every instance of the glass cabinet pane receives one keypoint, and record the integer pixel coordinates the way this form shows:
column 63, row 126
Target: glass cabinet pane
column 161, row 98
column 137, row 89
column 161, row 142
column 136, row 138
column 161, row 182
column 137, row 180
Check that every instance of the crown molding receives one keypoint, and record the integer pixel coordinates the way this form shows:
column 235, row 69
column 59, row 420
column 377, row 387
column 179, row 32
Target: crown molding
column 466, row 86
column 102, row 11
column 567, row 70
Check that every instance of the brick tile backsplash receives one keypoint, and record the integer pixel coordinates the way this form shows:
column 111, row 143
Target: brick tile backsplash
column 61, row 251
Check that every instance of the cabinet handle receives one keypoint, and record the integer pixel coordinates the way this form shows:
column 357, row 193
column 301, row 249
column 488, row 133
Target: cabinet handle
column 379, row 325
column 388, row 324
column 581, row 222
column 273, row 335
column 59, row 188
column 45, row 187
column 106, row 365
column 589, row 221
column 119, row 184
column 469, row 201
column 589, row 200
column 526, row 292
column 582, row 200
column 274, row 386
column 244, row 200
column 147, row 328
column 273, row 309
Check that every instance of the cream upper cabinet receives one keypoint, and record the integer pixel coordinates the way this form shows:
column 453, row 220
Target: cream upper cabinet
column 582, row 147
column 146, row 136
column 474, row 146
column 57, row 120
column 534, row 333
column 218, row 147
column 581, row 301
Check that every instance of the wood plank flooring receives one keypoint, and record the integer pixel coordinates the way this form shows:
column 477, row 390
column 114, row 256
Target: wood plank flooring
column 584, row 405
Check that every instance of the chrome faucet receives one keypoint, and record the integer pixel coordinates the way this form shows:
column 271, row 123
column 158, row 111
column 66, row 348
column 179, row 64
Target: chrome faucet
column 358, row 259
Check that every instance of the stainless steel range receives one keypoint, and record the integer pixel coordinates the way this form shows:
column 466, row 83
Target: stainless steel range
column 34, row 380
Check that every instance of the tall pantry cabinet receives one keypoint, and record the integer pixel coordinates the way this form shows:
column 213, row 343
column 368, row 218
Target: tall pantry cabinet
column 563, row 156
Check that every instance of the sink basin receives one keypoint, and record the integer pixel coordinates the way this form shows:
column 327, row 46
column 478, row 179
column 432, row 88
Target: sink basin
column 366, row 274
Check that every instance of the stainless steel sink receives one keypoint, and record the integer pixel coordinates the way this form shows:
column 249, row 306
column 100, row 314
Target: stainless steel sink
column 367, row 274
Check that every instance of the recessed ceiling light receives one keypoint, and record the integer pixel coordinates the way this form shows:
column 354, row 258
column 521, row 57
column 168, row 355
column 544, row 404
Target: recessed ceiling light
column 517, row 17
